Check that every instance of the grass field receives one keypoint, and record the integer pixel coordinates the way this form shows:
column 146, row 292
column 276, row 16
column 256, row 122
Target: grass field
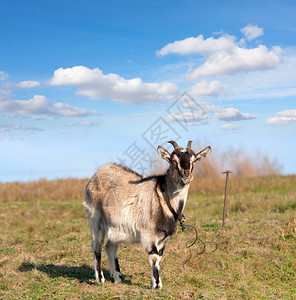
column 45, row 244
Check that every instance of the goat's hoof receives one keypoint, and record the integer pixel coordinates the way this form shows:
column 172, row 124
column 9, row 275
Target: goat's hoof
column 101, row 279
column 98, row 282
column 118, row 281
column 157, row 286
column 118, row 278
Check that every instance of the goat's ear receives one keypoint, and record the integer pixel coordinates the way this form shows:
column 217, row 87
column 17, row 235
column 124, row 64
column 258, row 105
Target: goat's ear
column 203, row 153
column 163, row 153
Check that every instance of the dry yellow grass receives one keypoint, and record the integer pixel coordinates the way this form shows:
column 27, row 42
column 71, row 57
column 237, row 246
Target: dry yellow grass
column 43, row 189
column 45, row 244
column 240, row 163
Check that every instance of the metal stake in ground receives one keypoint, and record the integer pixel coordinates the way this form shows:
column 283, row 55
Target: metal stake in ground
column 227, row 172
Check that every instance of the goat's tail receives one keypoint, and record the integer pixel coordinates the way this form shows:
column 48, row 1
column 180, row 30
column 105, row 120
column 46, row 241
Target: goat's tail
column 88, row 204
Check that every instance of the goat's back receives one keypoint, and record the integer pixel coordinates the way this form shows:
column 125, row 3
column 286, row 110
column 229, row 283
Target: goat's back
column 123, row 195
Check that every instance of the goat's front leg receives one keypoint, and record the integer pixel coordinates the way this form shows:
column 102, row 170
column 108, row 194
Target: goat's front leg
column 154, row 260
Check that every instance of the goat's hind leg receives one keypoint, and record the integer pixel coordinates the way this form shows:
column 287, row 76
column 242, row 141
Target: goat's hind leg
column 97, row 254
column 111, row 250
column 97, row 235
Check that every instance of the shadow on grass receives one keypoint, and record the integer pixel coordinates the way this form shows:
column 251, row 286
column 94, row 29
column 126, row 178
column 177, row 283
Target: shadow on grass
column 83, row 273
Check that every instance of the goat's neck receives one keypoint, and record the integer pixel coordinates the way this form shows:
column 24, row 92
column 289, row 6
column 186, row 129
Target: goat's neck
column 176, row 195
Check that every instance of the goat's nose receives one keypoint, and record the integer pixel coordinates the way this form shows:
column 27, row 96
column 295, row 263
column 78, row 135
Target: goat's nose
column 186, row 173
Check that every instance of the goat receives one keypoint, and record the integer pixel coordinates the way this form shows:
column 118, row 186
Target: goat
column 129, row 207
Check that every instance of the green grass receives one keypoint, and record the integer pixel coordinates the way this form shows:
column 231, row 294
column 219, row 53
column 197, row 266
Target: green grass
column 45, row 247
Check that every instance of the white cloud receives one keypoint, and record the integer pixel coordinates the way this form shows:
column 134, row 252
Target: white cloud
column 39, row 105
column 19, row 116
column 212, row 88
column 36, row 105
column 238, row 60
column 6, row 127
column 205, row 109
column 189, row 118
column 272, row 83
column 21, row 127
column 224, row 55
column 233, row 114
column 28, row 84
column 282, row 117
column 252, row 31
column 211, row 108
column 11, row 127
column 9, row 86
column 198, row 45
column 83, row 123
column 66, row 110
column 3, row 75
column 95, row 85
column 4, row 94
column 228, row 127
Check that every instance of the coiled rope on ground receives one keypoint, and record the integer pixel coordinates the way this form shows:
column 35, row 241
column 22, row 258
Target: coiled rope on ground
column 201, row 245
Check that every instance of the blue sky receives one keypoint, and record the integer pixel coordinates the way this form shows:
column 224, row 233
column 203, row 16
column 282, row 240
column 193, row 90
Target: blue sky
column 83, row 83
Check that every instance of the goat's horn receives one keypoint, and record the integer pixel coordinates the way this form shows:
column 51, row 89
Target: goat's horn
column 174, row 144
column 189, row 144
